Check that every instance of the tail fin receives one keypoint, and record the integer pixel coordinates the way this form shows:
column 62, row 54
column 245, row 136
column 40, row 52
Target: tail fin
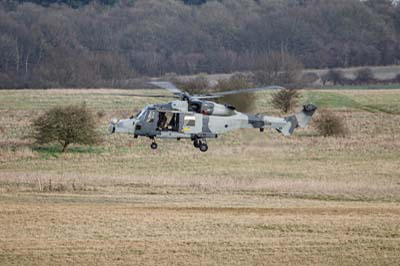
column 300, row 119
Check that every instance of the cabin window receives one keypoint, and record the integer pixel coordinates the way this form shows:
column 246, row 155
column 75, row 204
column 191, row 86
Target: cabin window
column 150, row 117
column 189, row 121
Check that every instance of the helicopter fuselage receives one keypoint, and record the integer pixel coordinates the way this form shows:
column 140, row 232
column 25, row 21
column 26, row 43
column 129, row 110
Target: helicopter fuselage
column 193, row 117
column 200, row 120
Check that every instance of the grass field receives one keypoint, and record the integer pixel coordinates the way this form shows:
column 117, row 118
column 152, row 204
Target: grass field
column 253, row 199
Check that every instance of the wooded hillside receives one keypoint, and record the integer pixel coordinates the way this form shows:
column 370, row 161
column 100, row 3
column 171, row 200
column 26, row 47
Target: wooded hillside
column 94, row 43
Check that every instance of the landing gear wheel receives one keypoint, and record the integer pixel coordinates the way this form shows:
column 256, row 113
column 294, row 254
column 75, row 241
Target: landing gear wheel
column 203, row 147
column 154, row 146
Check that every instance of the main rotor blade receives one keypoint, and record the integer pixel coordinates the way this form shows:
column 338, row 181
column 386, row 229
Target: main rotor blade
column 167, row 85
column 224, row 93
column 138, row 95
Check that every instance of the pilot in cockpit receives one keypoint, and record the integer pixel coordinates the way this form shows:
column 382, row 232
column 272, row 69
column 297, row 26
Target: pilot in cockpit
column 162, row 121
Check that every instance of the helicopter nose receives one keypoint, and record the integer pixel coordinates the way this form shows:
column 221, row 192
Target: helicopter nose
column 113, row 121
column 112, row 125
column 111, row 128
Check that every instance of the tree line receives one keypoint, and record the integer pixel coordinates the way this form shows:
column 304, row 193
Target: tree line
column 101, row 43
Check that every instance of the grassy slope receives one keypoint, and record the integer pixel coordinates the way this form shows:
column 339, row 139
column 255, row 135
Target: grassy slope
column 253, row 198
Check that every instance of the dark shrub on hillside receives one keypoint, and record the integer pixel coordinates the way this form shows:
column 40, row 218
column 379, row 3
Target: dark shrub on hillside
column 335, row 76
column 309, row 78
column 200, row 85
column 364, row 76
column 243, row 101
column 197, row 85
column 396, row 79
column 329, row 124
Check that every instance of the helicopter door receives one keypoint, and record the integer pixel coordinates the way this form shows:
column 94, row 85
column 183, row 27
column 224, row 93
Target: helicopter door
column 173, row 124
column 168, row 121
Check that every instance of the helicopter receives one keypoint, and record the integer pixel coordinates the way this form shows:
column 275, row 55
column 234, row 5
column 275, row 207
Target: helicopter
column 197, row 118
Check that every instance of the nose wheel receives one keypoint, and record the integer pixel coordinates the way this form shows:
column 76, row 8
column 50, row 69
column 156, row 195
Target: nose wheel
column 153, row 146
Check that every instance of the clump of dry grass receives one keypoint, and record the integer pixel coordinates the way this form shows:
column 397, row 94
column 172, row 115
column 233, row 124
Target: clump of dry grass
column 101, row 113
column 15, row 153
column 329, row 124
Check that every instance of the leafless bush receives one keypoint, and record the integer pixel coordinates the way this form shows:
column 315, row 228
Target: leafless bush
column 200, row 85
column 335, row 76
column 365, row 76
column 309, row 78
column 396, row 79
column 101, row 114
column 285, row 99
column 329, row 124
column 244, row 101
column 197, row 85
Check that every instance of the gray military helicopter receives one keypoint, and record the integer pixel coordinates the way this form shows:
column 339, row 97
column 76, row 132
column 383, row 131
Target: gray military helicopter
column 194, row 117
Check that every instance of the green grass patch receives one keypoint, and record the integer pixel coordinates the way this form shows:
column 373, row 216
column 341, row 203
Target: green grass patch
column 388, row 109
column 55, row 150
column 361, row 87
column 329, row 99
column 325, row 99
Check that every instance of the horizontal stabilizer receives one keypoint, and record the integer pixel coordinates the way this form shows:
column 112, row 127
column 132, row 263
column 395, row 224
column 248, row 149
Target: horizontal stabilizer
column 300, row 119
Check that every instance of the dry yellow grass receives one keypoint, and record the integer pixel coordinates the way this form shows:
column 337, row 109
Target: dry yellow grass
column 195, row 229
column 253, row 199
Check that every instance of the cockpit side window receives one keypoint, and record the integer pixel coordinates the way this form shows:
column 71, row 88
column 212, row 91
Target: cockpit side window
column 141, row 114
column 150, row 117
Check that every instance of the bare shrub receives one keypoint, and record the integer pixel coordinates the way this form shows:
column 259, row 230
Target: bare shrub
column 396, row 79
column 328, row 124
column 335, row 76
column 309, row 78
column 200, row 85
column 244, row 101
column 365, row 76
column 66, row 125
column 197, row 85
column 285, row 99
column 100, row 114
